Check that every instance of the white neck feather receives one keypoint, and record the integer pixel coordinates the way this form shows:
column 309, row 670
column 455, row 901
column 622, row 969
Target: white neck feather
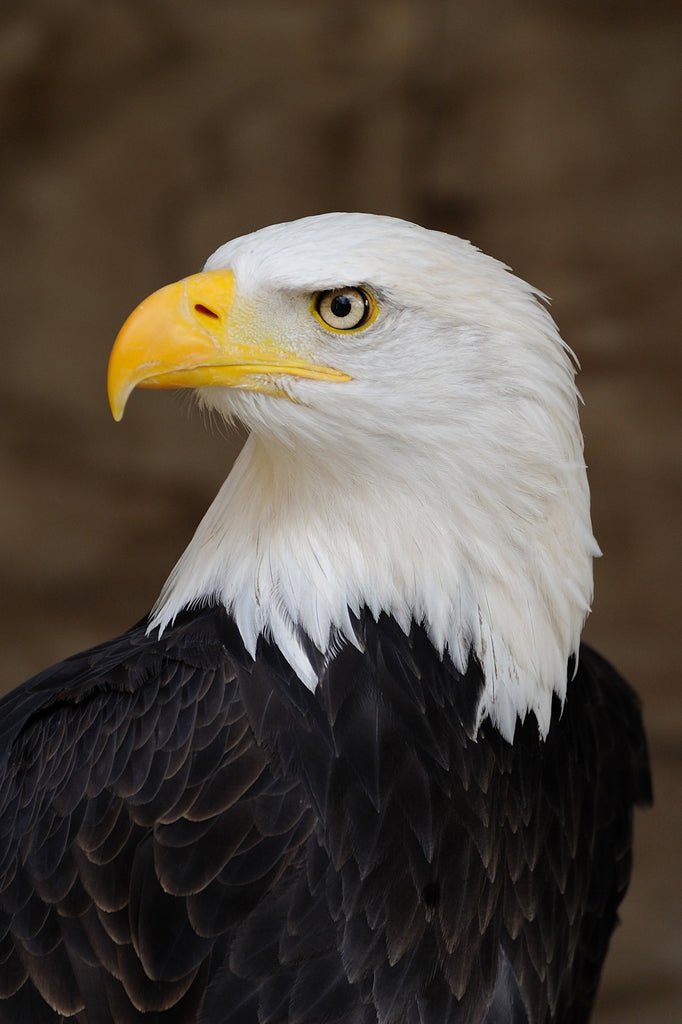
column 288, row 544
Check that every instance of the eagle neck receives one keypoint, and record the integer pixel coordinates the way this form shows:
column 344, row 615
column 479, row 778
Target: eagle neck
column 295, row 548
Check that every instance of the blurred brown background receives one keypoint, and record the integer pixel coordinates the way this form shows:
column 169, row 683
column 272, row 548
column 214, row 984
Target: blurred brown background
column 137, row 135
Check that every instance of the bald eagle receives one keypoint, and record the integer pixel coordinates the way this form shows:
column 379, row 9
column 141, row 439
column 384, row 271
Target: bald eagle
column 355, row 766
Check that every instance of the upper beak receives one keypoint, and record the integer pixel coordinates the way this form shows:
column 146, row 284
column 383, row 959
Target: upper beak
column 190, row 334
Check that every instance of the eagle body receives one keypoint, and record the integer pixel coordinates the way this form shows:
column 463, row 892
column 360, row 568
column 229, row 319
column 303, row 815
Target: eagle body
column 356, row 765
column 216, row 842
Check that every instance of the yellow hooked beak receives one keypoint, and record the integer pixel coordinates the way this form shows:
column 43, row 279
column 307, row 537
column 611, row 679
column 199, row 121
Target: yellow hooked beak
column 191, row 334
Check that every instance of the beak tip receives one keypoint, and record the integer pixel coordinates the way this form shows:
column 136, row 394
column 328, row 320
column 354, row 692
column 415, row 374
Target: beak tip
column 117, row 403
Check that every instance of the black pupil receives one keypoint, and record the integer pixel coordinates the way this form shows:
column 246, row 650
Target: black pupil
column 341, row 306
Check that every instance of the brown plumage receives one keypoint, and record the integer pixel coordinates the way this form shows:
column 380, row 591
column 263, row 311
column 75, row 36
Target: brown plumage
column 196, row 836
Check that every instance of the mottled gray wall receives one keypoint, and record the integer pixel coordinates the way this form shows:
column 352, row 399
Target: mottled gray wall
column 137, row 136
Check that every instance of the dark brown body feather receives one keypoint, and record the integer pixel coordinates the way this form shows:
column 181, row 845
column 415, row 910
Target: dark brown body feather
column 190, row 836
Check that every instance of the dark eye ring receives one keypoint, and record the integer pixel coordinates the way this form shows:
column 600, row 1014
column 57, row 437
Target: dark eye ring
column 344, row 309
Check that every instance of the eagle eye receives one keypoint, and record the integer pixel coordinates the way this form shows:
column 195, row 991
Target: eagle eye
column 344, row 309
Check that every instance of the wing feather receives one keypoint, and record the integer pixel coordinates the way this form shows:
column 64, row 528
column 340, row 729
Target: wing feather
column 184, row 830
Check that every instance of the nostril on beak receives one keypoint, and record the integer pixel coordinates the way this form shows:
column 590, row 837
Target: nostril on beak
column 205, row 311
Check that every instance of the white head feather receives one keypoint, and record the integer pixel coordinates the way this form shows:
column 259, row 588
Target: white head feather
column 443, row 483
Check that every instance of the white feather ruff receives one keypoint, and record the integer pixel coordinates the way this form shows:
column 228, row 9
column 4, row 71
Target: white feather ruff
column 444, row 483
